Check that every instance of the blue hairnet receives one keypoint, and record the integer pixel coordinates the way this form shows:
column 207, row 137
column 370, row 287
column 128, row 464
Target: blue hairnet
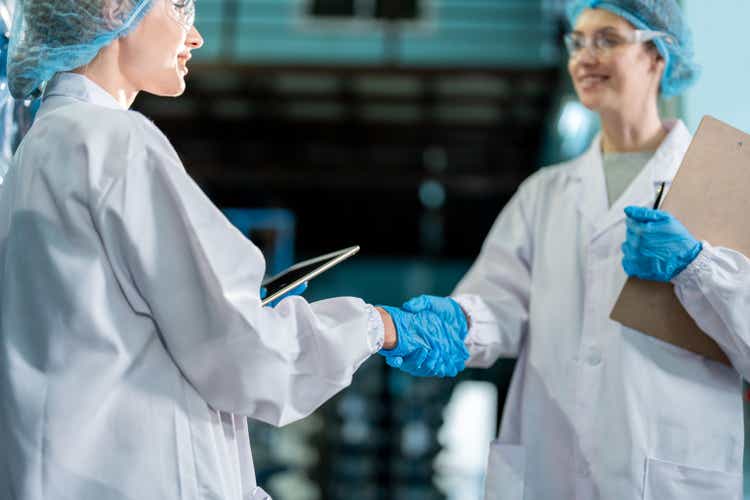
column 680, row 70
column 49, row 36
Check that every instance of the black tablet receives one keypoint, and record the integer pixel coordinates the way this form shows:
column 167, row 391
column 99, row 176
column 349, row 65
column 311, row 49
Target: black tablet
column 291, row 278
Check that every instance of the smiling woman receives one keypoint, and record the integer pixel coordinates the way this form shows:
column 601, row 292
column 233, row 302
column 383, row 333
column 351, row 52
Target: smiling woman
column 617, row 72
column 596, row 410
column 152, row 57
column 133, row 340
column 125, row 46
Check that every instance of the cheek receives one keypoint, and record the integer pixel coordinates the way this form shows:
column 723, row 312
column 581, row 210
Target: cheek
column 145, row 60
column 631, row 76
column 161, row 38
column 161, row 52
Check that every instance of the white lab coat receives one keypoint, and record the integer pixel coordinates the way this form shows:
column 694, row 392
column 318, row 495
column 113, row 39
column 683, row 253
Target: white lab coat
column 132, row 337
column 596, row 410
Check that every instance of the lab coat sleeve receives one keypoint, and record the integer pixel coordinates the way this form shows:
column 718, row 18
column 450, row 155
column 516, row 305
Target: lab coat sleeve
column 495, row 292
column 715, row 290
column 183, row 266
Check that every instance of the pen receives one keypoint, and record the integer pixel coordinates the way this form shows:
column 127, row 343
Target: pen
column 659, row 194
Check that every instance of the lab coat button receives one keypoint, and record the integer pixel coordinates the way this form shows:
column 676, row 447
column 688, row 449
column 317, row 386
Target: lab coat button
column 594, row 357
column 583, row 469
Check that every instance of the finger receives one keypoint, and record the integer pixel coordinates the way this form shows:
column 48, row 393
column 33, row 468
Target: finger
column 417, row 304
column 644, row 214
column 439, row 370
column 431, row 364
column 451, row 370
column 631, row 267
column 395, row 361
column 629, row 250
column 418, row 358
column 634, row 227
column 661, row 270
column 464, row 356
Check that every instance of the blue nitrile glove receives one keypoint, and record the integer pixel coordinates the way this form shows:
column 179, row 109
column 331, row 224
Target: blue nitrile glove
column 658, row 247
column 299, row 290
column 420, row 350
column 452, row 327
column 408, row 343
column 440, row 326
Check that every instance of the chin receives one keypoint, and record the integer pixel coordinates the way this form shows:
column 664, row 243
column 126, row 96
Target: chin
column 173, row 87
column 591, row 104
column 178, row 91
column 593, row 101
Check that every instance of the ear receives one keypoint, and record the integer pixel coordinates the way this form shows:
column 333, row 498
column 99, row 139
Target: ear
column 656, row 56
column 658, row 64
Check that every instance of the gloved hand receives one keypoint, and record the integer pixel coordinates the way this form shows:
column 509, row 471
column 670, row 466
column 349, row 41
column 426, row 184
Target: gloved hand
column 299, row 290
column 453, row 326
column 658, row 247
column 409, row 343
column 430, row 344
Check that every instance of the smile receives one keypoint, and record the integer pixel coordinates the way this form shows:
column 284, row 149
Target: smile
column 592, row 80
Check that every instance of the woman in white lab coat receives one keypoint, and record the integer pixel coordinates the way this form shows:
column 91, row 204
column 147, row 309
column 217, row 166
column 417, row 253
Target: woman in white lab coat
column 595, row 410
column 133, row 343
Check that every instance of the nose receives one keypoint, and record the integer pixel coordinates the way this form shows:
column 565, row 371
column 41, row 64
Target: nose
column 587, row 56
column 194, row 39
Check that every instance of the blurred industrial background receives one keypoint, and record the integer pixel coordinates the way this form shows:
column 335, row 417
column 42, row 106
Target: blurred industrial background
column 402, row 126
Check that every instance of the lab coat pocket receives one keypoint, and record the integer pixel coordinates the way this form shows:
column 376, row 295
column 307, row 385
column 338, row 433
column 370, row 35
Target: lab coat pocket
column 506, row 471
column 670, row 481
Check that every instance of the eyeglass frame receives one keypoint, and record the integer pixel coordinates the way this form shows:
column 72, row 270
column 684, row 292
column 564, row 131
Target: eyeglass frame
column 173, row 7
column 633, row 38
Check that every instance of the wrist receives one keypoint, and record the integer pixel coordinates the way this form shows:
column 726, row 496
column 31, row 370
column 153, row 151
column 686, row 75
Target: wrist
column 390, row 338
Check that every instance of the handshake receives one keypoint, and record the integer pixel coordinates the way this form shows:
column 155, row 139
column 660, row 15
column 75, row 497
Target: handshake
column 430, row 337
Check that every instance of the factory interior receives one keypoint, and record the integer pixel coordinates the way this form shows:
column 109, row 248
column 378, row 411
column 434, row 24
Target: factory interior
column 404, row 127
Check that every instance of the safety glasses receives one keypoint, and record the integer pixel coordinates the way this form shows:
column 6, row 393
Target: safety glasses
column 182, row 11
column 605, row 41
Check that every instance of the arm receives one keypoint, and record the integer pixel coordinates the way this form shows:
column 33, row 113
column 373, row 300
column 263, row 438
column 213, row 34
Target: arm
column 488, row 315
column 713, row 284
column 183, row 267
column 494, row 294
column 715, row 291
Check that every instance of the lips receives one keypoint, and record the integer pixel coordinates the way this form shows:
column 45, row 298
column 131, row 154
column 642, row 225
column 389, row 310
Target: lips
column 182, row 59
column 588, row 81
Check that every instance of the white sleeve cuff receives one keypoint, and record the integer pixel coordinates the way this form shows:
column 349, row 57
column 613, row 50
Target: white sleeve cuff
column 375, row 330
column 696, row 268
column 480, row 319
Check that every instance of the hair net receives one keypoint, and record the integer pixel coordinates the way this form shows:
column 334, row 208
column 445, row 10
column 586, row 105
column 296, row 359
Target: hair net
column 49, row 36
column 658, row 15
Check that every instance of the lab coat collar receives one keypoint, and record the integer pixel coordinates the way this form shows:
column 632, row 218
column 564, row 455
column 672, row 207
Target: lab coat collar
column 80, row 88
column 662, row 167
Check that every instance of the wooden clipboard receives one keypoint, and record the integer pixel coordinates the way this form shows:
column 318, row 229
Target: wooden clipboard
column 711, row 196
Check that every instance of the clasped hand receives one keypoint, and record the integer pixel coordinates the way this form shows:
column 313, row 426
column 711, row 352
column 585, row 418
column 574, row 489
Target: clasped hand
column 658, row 247
column 431, row 332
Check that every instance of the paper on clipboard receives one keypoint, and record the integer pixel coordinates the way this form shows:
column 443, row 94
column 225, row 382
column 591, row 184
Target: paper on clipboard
column 709, row 196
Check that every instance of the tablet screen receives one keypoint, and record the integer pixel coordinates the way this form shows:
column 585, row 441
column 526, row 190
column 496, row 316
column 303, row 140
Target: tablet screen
column 294, row 276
